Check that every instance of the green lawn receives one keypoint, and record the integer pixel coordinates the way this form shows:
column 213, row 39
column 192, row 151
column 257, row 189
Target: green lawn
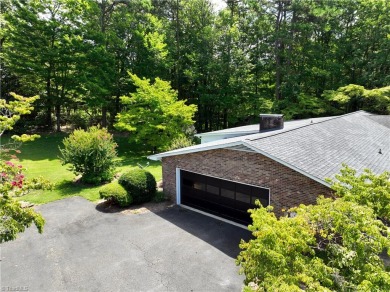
column 41, row 158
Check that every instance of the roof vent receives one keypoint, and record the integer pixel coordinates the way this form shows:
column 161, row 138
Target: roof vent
column 270, row 122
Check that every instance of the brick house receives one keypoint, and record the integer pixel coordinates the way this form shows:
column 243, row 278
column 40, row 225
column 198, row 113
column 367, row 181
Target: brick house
column 282, row 164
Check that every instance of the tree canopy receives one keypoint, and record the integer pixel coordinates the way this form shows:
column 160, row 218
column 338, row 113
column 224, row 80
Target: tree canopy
column 153, row 114
column 14, row 218
column 299, row 58
column 335, row 245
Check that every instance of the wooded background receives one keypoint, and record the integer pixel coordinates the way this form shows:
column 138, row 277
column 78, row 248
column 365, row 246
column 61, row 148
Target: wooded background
column 296, row 57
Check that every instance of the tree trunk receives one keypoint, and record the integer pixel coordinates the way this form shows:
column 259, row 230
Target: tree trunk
column 48, row 117
column 278, row 44
column 104, row 116
column 177, row 44
column 49, row 108
column 225, row 115
column 58, row 118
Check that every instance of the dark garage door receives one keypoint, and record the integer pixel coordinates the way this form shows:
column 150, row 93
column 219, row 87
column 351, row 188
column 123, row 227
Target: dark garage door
column 223, row 198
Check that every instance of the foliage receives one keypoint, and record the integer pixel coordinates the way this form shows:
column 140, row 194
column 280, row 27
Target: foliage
column 366, row 189
column 331, row 246
column 250, row 57
column 159, row 197
column 354, row 97
column 377, row 100
column 14, row 218
column 116, row 193
column 91, row 153
column 13, row 184
column 48, row 165
column 79, row 120
column 10, row 113
column 180, row 142
column 45, row 61
column 153, row 115
column 140, row 184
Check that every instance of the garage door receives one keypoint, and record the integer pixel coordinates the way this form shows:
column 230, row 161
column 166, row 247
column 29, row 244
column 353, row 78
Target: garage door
column 223, row 198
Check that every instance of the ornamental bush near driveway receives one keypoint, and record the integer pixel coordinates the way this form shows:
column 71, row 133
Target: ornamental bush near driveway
column 115, row 193
column 91, row 153
column 139, row 184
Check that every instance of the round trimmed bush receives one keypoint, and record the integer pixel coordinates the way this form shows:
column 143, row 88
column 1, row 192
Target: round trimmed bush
column 115, row 193
column 140, row 185
column 91, row 153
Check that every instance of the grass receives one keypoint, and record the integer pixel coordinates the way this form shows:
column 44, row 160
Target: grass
column 41, row 158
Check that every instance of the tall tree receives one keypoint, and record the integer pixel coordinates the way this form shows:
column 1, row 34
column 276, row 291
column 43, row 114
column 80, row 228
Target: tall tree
column 153, row 114
column 44, row 60
column 118, row 36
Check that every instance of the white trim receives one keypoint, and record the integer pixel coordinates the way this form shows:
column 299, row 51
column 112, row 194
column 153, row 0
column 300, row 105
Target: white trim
column 228, row 133
column 288, row 165
column 215, row 217
column 192, row 150
column 178, row 186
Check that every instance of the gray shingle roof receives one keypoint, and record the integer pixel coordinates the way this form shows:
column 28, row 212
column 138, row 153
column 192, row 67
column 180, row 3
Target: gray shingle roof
column 318, row 149
column 381, row 119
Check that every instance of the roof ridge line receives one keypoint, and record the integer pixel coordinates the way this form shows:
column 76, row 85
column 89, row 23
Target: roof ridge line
column 310, row 124
column 376, row 122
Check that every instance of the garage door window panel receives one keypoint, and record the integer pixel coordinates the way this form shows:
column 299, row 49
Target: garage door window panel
column 212, row 189
column 245, row 198
column 227, row 193
column 220, row 197
column 199, row 186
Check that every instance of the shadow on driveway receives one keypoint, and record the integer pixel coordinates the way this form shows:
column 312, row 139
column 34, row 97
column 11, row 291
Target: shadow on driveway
column 82, row 249
column 221, row 235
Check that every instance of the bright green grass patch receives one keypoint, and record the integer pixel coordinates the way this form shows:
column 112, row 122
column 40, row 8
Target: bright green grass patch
column 41, row 158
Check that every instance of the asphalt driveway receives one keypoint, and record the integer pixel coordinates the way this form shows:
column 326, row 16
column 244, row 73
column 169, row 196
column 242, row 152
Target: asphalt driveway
column 84, row 249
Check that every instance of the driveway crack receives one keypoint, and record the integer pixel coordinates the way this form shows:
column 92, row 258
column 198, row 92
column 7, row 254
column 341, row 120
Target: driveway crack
column 151, row 265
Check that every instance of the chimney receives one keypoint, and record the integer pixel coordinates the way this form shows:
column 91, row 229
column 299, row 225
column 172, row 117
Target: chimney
column 269, row 122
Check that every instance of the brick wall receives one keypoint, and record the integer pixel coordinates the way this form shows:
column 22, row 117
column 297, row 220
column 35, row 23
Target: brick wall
column 288, row 188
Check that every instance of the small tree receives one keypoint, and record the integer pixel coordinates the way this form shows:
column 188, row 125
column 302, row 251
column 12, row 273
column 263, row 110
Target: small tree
column 367, row 189
column 180, row 142
column 355, row 97
column 13, row 218
column 153, row 115
column 91, row 153
column 10, row 113
column 331, row 246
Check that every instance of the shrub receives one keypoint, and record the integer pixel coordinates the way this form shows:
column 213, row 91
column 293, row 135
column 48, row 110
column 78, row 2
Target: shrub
column 140, row 184
column 180, row 142
column 79, row 120
column 334, row 245
column 159, row 197
column 91, row 153
column 115, row 193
